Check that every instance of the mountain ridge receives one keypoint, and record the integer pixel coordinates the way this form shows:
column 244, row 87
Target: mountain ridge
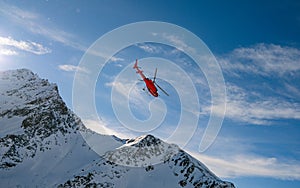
column 42, row 137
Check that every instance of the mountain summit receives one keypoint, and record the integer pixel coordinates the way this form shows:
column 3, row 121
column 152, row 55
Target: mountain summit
column 42, row 146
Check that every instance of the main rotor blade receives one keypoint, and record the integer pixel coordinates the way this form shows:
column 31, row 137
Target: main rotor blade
column 162, row 89
column 154, row 75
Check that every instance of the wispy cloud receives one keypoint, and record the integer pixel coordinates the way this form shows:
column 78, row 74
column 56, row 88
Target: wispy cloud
column 17, row 13
column 121, row 87
column 178, row 42
column 10, row 46
column 72, row 68
column 116, row 59
column 8, row 52
column 252, row 107
column 262, row 59
column 150, row 48
column 108, row 127
column 274, row 65
column 251, row 165
column 136, row 97
column 37, row 24
column 292, row 91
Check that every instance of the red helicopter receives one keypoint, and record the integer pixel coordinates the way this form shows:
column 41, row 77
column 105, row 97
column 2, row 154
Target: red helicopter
column 150, row 84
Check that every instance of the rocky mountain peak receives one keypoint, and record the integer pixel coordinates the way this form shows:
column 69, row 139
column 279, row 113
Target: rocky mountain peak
column 31, row 111
column 145, row 140
column 41, row 146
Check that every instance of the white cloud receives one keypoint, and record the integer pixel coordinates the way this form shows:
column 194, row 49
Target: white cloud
column 121, row 87
column 9, row 46
column 252, row 107
column 151, row 48
column 115, row 59
column 291, row 91
column 39, row 25
column 101, row 127
column 36, row 24
column 72, row 68
column 279, row 65
column 8, row 52
column 262, row 59
column 17, row 13
column 108, row 127
column 178, row 42
column 136, row 97
column 250, row 165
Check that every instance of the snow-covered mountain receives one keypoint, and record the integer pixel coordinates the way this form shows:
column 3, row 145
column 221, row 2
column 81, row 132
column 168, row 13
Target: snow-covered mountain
column 42, row 146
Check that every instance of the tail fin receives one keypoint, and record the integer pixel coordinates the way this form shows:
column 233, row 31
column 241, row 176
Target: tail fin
column 135, row 65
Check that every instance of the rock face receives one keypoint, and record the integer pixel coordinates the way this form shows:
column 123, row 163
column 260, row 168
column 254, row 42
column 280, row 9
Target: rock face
column 33, row 117
column 42, row 146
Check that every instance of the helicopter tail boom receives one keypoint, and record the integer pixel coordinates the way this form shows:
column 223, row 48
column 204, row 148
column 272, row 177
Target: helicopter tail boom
column 138, row 70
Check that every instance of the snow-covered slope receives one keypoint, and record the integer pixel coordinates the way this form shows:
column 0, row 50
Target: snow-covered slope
column 42, row 146
column 40, row 142
column 147, row 162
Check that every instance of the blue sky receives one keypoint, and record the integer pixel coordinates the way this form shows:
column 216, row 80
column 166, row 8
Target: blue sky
column 256, row 44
